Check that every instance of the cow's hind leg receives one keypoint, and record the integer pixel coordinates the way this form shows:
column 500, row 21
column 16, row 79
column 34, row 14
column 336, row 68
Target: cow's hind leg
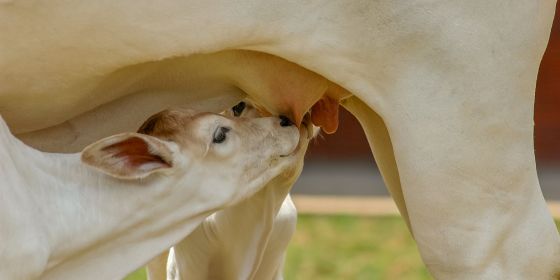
column 459, row 112
column 467, row 169
column 380, row 144
column 471, row 190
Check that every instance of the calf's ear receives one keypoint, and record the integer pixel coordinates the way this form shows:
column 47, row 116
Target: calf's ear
column 129, row 155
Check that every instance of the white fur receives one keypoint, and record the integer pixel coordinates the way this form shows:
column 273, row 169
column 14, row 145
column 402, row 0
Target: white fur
column 443, row 89
column 62, row 220
column 233, row 246
column 245, row 241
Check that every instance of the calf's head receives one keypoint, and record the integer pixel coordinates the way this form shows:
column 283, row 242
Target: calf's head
column 218, row 149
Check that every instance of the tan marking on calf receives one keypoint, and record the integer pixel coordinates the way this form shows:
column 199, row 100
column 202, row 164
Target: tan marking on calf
column 168, row 124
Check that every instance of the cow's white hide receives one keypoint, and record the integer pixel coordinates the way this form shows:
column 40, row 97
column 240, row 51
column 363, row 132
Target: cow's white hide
column 448, row 86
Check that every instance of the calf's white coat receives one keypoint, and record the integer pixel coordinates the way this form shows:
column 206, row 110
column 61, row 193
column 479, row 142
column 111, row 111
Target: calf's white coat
column 443, row 89
column 245, row 241
column 63, row 220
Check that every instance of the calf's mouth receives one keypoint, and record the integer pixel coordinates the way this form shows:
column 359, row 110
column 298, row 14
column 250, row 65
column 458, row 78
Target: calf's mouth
column 305, row 134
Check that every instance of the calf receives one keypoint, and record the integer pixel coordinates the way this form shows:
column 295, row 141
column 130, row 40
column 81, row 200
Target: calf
column 61, row 219
column 245, row 241
column 443, row 89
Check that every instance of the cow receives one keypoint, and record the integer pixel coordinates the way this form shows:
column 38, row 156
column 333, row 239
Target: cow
column 444, row 91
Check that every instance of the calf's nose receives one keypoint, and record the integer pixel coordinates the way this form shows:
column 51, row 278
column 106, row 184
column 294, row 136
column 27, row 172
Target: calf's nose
column 284, row 121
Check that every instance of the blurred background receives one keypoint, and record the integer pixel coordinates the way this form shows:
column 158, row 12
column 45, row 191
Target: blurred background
column 348, row 227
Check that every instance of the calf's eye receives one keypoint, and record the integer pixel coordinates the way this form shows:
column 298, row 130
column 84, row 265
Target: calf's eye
column 219, row 135
column 238, row 109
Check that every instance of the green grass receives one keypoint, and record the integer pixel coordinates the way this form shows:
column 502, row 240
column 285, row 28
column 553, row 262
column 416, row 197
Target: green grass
column 140, row 274
column 349, row 247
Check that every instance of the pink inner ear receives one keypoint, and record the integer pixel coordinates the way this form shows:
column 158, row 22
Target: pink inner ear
column 135, row 151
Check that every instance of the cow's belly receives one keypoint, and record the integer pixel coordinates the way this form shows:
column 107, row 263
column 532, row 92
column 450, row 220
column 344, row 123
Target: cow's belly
column 123, row 99
column 69, row 65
